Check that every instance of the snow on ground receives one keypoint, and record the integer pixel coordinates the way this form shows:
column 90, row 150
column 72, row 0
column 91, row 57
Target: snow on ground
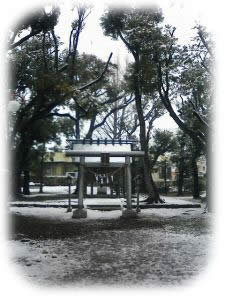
column 161, row 247
column 124, row 257
column 95, row 201
column 53, row 189
column 62, row 190
column 107, row 201
column 60, row 214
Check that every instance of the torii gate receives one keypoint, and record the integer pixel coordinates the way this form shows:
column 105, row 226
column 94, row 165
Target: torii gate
column 105, row 159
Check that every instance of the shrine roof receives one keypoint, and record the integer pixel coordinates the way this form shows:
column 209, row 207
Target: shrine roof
column 93, row 149
column 102, row 141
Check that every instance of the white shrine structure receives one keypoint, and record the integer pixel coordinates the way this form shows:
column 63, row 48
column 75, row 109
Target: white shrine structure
column 105, row 162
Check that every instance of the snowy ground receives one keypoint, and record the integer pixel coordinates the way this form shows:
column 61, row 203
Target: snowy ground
column 60, row 190
column 161, row 247
column 63, row 190
column 107, row 201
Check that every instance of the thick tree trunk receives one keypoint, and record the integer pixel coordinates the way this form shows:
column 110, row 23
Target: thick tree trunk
column 26, row 181
column 151, row 188
column 149, row 183
column 16, row 182
column 21, row 163
column 16, row 172
column 196, row 188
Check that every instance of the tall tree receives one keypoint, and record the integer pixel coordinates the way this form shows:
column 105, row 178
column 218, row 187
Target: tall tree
column 184, row 74
column 41, row 84
column 136, row 28
column 185, row 71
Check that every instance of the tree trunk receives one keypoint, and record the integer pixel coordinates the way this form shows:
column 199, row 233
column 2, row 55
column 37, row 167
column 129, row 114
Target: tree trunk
column 196, row 188
column 41, row 172
column 165, row 178
column 16, row 174
column 208, row 180
column 181, row 167
column 180, row 181
column 26, row 186
column 151, row 189
column 91, row 128
column 20, row 159
column 17, row 184
column 77, row 125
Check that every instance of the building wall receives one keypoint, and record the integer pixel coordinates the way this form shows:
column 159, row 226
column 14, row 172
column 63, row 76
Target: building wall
column 58, row 164
column 172, row 171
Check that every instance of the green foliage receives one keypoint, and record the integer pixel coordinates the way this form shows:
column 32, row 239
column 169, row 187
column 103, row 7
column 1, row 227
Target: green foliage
column 163, row 142
column 66, row 127
column 138, row 26
column 195, row 84
column 39, row 20
column 41, row 135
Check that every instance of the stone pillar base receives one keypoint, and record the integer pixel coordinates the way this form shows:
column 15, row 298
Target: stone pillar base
column 79, row 213
column 129, row 213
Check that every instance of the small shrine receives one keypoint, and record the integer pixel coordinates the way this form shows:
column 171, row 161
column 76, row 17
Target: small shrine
column 105, row 164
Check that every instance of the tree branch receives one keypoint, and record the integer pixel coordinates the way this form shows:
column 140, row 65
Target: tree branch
column 205, row 43
column 56, row 49
column 198, row 116
column 61, row 115
column 99, row 78
column 24, row 39
column 109, row 114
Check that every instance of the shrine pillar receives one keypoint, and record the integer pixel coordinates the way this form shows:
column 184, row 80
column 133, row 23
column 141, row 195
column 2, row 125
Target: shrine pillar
column 128, row 185
column 80, row 212
column 128, row 213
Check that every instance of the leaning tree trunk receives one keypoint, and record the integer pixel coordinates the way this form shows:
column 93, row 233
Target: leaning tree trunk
column 153, row 195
